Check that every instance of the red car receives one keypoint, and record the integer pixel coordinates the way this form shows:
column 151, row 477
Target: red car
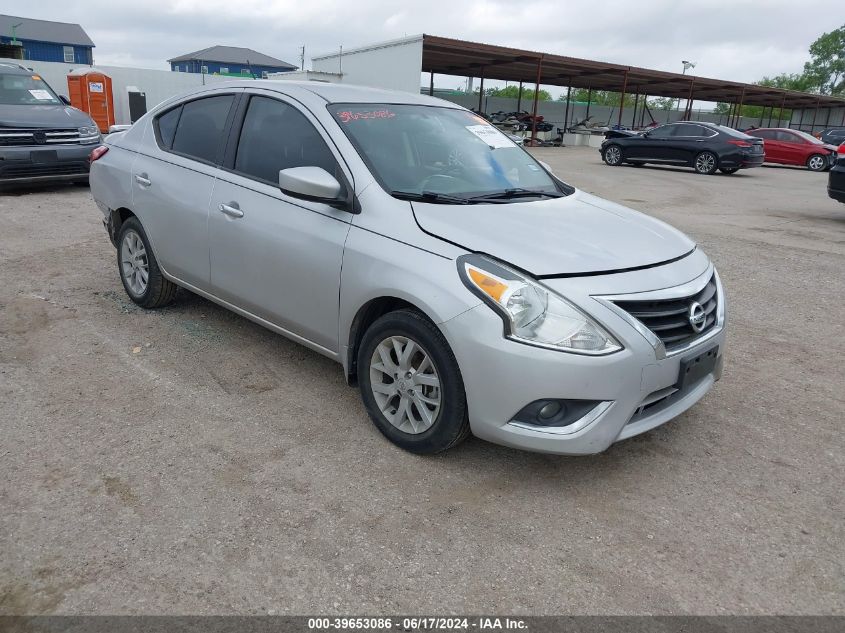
column 794, row 147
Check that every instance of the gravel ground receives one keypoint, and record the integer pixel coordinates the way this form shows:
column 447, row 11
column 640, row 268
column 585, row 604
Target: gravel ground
column 188, row 461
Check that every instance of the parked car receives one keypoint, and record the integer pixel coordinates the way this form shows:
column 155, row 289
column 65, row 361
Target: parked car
column 836, row 178
column 459, row 283
column 705, row 147
column 794, row 147
column 42, row 138
column 832, row 135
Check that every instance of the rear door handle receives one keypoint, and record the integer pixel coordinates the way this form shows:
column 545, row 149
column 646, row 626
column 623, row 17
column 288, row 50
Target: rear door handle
column 142, row 180
column 231, row 210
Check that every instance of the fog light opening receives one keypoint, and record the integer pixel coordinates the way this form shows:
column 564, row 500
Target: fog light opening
column 554, row 412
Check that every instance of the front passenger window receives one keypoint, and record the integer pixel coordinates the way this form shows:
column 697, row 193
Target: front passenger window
column 277, row 136
column 664, row 131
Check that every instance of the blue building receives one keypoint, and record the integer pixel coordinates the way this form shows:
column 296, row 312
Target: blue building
column 229, row 60
column 45, row 41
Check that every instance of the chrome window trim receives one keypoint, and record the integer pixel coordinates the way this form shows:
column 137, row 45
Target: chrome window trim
column 675, row 292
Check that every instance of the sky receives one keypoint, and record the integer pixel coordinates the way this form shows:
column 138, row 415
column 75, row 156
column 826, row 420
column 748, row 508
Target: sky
column 739, row 40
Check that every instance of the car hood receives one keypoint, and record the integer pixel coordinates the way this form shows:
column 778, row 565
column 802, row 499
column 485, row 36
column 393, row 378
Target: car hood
column 579, row 233
column 46, row 116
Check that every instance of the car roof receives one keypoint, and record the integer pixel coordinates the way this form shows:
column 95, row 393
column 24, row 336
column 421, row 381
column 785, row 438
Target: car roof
column 11, row 68
column 336, row 93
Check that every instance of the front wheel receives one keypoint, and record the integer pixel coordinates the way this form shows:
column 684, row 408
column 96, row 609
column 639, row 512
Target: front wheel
column 612, row 155
column 732, row 170
column 411, row 384
column 817, row 162
column 706, row 163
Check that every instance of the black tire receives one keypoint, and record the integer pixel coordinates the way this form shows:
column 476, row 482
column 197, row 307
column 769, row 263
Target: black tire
column 705, row 163
column 732, row 170
column 612, row 155
column 451, row 424
column 158, row 291
column 818, row 162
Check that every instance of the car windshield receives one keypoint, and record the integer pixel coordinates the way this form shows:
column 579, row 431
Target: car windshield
column 808, row 137
column 443, row 154
column 20, row 89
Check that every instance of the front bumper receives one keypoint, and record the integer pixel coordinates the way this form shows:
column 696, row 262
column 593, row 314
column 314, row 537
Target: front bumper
column 635, row 385
column 836, row 182
column 41, row 163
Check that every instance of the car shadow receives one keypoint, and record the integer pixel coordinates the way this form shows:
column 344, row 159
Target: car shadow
column 47, row 187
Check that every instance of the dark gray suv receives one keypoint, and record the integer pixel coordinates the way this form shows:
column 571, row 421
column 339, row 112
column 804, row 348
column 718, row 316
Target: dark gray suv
column 42, row 138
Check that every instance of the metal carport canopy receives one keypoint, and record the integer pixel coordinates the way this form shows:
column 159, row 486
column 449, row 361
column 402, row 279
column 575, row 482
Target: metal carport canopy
column 448, row 56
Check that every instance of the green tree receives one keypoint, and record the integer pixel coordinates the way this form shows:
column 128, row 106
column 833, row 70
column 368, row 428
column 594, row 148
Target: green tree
column 826, row 69
column 787, row 81
column 662, row 103
column 512, row 92
column 598, row 97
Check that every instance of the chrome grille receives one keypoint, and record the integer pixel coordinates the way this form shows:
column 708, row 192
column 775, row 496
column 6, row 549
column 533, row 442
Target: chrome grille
column 669, row 319
column 38, row 136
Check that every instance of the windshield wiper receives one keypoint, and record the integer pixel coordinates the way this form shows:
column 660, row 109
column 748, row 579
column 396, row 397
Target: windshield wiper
column 517, row 192
column 429, row 196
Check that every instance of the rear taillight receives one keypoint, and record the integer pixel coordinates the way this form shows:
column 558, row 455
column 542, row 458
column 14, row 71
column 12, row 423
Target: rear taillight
column 98, row 152
column 741, row 143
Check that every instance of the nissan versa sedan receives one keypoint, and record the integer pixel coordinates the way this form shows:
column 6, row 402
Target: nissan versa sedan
column 706, row 147
column 461, row 285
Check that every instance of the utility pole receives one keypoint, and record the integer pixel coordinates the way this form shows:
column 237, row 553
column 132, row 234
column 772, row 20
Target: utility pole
column 302, row 58
column 687, row 65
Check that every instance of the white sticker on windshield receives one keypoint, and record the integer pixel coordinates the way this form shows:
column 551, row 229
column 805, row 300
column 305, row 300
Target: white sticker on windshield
column 490, row 135
column 41, row 95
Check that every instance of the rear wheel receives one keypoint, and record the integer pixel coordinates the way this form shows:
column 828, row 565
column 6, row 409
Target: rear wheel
column 411, row 384
column 612, row 155
column 139, row 271
column 817, row 162
column 732, row 170
column 706, row 163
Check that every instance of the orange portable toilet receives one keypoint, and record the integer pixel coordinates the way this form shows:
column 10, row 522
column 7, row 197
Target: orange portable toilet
column 90, row 91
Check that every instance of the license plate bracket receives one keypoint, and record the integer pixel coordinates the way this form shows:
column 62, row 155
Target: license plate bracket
column 43, row 156
column 693, row 368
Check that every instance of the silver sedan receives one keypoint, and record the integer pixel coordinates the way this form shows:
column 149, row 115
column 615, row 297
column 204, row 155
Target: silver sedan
column 461, row 285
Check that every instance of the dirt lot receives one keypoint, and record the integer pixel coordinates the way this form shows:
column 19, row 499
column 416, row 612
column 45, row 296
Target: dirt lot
column 188, row 461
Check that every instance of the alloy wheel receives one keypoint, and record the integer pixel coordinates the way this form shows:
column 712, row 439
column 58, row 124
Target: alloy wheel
column 405, row 384
column 816, row 163
column 134, row 265
column 705, row 163
column 613, row 155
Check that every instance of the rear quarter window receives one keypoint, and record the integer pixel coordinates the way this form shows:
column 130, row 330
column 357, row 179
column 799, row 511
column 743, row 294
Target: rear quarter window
column 165, row 126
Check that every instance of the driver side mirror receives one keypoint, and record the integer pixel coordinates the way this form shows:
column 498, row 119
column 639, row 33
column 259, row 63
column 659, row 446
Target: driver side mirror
column 64, row 99
column 310, row 183
column 546, row 166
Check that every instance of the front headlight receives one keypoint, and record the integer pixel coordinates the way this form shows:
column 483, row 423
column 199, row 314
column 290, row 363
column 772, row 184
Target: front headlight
column 89, row 134
column 532, row 314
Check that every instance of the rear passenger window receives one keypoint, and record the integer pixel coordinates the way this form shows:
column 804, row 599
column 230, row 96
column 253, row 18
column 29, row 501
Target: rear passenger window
column 277, row 136
column 688, row 129
column 166, row 125
column 199, row 133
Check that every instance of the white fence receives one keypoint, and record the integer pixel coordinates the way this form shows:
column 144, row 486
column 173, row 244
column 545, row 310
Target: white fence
column 158, row 85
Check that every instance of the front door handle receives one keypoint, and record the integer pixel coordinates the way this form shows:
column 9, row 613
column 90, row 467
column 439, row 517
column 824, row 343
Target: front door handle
column 142, row 180
column 231, row 210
